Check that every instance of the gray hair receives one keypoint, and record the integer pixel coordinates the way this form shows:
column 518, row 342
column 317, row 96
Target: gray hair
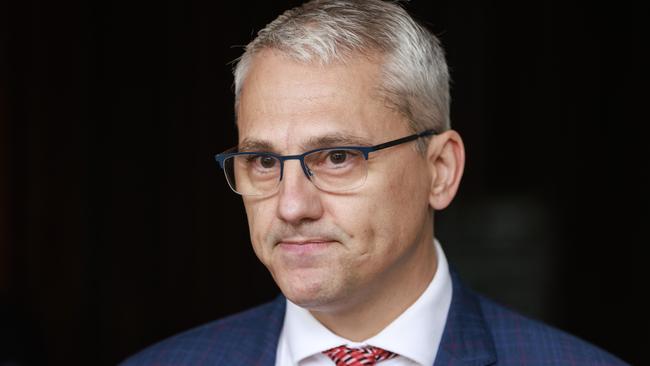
column 415, row 79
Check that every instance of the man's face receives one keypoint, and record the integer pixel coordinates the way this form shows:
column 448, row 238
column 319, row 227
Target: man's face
column 329, row 250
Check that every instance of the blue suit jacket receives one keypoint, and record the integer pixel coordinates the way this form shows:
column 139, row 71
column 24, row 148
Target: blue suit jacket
column 478, row 332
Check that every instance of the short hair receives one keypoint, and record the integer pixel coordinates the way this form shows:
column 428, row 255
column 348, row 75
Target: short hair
column 415, row 78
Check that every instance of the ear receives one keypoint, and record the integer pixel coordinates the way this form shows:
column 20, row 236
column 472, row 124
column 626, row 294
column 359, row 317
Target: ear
column 446, row 162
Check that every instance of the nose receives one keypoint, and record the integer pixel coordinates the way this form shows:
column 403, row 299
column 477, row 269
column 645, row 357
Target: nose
column 298, row 199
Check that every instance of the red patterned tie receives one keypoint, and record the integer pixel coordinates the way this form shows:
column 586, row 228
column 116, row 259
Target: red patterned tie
column 365, row 356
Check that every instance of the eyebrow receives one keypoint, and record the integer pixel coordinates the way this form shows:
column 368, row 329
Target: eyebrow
column 249, row 144
column 317, row 142
column 336, row 139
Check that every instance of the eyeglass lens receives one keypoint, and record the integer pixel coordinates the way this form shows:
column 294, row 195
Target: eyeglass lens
column 333, row 170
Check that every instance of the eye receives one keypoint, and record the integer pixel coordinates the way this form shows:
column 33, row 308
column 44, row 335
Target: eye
column 262, row 161
column 333, row 159
column 338, row 156
column 267, row 162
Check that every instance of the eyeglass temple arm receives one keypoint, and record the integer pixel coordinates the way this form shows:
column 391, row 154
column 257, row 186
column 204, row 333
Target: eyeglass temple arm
column 404, row 139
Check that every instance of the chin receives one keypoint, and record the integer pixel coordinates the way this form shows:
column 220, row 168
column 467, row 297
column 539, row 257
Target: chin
column 306, row 294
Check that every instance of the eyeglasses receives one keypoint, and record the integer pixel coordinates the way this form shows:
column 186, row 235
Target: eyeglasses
column 332, row 169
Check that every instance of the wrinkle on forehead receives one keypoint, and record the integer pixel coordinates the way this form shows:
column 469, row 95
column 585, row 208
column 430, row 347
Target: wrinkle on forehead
column 336, row 139
column 291, row 107
column 274, row 79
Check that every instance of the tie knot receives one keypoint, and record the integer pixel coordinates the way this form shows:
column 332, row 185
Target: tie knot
column 364, row 356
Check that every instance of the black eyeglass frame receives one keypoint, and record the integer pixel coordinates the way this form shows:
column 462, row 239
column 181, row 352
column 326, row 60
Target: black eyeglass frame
column 365, row 150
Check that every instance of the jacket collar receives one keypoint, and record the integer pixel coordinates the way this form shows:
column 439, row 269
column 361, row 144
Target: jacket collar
column 262, row 342
column 466, row 339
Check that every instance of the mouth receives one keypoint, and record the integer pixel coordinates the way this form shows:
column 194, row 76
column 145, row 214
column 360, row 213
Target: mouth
column 306, row 241
column 305, row 246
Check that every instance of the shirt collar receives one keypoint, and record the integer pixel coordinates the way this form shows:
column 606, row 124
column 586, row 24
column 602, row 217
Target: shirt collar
column 411, row 335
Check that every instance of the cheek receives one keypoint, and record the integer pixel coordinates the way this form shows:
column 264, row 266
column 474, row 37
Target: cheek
column 361, row 217
column 396, row 208
column 260, row 218
column 351, row 213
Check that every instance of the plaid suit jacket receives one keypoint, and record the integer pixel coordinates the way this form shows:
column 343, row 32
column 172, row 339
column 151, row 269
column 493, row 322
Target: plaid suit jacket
column 478, row 332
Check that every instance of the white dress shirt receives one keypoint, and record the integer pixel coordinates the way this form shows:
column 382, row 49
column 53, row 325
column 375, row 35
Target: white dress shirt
column 415, row 335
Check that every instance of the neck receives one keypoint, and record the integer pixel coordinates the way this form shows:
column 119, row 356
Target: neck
column 372, row 311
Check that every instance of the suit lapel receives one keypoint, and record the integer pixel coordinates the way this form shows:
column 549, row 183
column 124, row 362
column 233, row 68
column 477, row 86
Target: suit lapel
column 466, row 339
column 261, row 350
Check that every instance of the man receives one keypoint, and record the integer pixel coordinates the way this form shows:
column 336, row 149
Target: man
column 345, row 151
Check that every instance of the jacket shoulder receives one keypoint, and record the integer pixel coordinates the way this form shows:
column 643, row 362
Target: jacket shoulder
column 226, row 341
column 519, row 340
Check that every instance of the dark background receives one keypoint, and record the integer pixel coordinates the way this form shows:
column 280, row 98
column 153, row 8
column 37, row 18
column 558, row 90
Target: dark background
column 117, row 229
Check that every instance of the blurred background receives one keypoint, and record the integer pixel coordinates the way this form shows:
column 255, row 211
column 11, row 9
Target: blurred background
column 117, row 229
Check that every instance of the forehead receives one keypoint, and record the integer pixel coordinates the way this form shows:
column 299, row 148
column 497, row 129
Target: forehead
column 286, row 102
